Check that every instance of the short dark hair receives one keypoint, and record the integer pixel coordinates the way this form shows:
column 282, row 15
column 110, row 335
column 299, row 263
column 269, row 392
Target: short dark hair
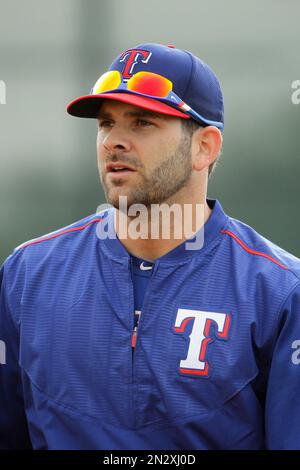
column 190, row 126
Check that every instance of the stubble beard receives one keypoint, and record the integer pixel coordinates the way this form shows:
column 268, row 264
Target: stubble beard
column 162, row 183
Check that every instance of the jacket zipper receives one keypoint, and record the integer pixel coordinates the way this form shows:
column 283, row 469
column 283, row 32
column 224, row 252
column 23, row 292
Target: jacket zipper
column 137, row 316
column 134, row 344
column 134, row 335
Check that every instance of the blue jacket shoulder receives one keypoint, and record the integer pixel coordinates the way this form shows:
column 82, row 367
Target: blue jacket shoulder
column 260, row 248
column 57, row 244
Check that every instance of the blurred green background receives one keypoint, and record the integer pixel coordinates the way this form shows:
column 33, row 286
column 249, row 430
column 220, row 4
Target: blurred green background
column 51, row 52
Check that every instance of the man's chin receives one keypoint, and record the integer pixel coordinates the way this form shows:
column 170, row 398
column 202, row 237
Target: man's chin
column 119, row 201
column 123, row 202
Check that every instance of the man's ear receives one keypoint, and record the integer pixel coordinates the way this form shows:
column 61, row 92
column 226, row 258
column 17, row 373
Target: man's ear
column 206, row 147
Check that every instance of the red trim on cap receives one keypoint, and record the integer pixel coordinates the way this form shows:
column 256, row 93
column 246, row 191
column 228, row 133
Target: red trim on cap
column 86, row 101
column 253, row 252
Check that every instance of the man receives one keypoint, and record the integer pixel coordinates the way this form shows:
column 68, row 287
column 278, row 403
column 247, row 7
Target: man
column 117, row 340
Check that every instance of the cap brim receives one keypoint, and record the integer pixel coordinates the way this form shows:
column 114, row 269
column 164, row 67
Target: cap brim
column 88, row 106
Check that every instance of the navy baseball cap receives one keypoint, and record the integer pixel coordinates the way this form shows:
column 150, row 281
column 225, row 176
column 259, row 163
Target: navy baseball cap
column 173, row 82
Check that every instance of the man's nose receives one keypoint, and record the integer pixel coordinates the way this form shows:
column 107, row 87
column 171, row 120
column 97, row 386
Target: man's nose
column 117, row 139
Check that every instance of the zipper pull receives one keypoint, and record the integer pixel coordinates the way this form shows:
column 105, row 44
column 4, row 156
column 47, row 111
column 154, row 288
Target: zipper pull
column 137, row 316
column 133, row 338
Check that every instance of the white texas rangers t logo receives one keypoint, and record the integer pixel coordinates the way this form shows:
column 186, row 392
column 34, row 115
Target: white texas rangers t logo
column 194, row 363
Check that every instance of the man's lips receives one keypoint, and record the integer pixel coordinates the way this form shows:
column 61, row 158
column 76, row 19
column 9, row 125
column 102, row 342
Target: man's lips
column 118, row 168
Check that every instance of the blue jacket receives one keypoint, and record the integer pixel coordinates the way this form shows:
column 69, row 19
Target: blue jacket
column 217, row 358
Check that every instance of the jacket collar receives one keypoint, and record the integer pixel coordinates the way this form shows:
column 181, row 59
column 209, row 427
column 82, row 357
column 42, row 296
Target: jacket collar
column 114, row 249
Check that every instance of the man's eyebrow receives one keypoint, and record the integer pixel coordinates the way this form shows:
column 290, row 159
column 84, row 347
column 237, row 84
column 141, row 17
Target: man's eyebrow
column 140, row 114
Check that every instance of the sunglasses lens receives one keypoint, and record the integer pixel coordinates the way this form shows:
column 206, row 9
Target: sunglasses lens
column 108, row 81
column 150, row 84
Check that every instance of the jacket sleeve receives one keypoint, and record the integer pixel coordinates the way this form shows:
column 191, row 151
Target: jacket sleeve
column 13, row 425
column 283, row 392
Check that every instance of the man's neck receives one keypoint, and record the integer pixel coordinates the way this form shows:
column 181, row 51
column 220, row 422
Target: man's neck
column 160, row 234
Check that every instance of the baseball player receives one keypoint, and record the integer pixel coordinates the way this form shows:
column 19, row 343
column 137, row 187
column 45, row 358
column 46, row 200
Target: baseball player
column 125, row 342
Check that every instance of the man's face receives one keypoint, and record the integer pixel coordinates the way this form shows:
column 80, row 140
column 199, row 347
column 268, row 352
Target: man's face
column 153, row 145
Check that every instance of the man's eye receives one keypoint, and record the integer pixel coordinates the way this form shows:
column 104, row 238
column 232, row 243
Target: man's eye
column 104, row 124
column 143, row 123
column 139, row 122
